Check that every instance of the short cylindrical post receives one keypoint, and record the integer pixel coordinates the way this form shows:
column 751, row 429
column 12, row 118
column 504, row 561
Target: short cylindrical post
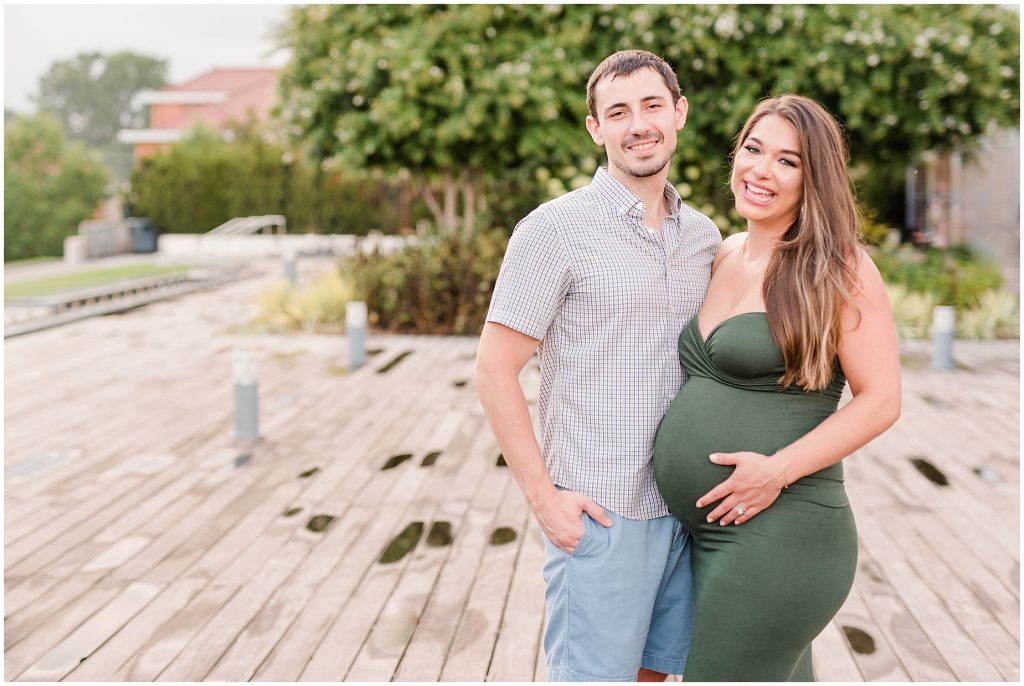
column 355, row 330
column 289, row 265
column 943, row 330
column 246, row 397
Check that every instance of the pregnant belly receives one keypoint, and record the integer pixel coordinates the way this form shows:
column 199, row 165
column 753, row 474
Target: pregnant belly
column 708, row 417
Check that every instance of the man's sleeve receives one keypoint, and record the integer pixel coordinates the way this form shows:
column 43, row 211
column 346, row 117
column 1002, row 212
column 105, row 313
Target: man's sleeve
column 534, row 278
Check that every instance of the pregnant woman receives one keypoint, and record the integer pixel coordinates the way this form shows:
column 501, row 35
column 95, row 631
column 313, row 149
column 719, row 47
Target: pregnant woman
column 749, row 455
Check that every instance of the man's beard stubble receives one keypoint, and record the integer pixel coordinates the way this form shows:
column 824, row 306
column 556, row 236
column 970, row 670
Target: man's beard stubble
column 645, row 169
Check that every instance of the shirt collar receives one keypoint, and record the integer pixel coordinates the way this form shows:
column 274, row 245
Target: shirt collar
column 625, row 200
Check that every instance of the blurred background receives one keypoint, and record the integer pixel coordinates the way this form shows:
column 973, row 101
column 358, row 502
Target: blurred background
column 452, row 122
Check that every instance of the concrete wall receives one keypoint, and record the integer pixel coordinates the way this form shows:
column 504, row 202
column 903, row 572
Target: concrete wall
column 260, row 245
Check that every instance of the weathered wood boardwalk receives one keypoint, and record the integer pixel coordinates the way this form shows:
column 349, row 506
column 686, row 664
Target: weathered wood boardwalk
column 373, row 535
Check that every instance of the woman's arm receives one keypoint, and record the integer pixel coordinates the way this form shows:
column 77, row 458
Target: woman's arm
column 869, row 355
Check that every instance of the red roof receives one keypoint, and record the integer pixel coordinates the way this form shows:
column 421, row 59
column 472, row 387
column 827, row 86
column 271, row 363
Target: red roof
column 247, row 89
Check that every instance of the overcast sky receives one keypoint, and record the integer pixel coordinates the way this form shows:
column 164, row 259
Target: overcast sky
column 192, row 38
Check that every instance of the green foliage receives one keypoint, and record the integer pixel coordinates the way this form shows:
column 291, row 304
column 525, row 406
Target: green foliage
column 319, row 306
column 50, row 185
column 478, row 94
column 873, row 231
column 91, row 95
column 912, row 311
column 955, row 277
column 997, row 316
column 204, row 180
column 439, row 285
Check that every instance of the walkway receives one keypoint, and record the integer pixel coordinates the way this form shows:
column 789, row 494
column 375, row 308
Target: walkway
column 374, row 533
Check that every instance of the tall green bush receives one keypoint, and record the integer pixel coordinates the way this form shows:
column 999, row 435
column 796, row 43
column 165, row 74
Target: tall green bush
column 439, row 285
column 206, row 180
column 50, row 185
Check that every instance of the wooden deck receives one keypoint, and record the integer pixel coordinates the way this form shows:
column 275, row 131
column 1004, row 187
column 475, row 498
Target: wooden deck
column 142, row 543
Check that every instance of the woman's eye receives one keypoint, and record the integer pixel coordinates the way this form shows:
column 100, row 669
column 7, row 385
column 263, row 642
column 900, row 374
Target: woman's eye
column 752, row 149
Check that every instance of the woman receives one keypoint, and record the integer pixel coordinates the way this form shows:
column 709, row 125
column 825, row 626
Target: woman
column 795, row 309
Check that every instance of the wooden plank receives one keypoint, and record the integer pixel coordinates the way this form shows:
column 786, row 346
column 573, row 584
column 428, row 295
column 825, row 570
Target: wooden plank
column 989, row 591
column 42, row 639
column 313, row 625
column 876, row 658
column 516, row 649
column 999, row 647
column 424, row 657
column 385, row 643
column 109, row 658
column 909, row 642
column 473, row 644
column 335, row 656
column 79, row 645
column 958, row 651
column 256, row 641
column 213, row 640
column 832, row 658
column 403, row 614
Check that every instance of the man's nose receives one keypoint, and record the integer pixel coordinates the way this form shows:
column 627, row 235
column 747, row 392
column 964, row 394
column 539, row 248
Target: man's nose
column 638, row 123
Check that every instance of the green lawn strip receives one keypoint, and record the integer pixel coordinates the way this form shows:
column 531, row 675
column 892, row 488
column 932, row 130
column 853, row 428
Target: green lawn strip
column 30, row 260
column 87, row 279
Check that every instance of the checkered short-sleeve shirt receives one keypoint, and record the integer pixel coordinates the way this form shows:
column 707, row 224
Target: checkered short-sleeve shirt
column 607, row 297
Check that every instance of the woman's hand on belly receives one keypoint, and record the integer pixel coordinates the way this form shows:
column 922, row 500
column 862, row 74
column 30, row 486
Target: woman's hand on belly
column 752, row 487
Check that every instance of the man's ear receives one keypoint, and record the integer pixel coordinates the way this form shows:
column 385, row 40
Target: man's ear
column 595, row 130
column 682, row 107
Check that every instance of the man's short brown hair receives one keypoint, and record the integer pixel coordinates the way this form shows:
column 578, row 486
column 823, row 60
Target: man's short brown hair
column 624, row 63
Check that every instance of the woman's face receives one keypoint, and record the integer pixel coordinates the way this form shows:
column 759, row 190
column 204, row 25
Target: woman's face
column 767, row 175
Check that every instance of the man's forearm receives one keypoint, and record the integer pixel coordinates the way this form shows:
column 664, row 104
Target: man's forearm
column 509, row 416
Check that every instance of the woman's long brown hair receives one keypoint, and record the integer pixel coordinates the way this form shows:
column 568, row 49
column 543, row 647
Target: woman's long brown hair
column 811, row 273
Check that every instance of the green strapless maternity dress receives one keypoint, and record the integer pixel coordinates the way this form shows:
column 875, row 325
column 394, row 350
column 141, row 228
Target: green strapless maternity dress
column 766, row 588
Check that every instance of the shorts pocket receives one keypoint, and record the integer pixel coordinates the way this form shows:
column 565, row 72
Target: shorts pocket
column 588, row 534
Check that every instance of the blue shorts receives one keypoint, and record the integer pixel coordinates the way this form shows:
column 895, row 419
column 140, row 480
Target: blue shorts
column 621, row 601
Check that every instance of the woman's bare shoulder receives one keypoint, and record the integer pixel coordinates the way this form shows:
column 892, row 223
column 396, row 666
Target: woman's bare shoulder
column 730, row 245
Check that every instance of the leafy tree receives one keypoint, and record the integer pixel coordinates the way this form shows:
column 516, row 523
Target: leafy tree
column 468, row 99
column 49, row 186
column 91, row 94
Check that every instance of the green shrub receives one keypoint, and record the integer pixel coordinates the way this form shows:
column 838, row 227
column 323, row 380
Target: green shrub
column 439, row 285
column 204, row 180
column 911, row 311
column 997, row 316
column 955, row 277
column 319, row 306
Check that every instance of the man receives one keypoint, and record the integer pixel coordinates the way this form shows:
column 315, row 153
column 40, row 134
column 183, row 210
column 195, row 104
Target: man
column 600, row 282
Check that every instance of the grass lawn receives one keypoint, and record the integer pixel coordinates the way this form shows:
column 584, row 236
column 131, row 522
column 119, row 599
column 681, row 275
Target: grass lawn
column 88, row 279
column 30, row 260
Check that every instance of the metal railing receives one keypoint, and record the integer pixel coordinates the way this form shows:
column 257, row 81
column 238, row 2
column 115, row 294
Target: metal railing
column 244, row 226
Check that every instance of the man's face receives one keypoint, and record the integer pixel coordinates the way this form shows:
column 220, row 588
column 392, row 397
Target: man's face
column 636, row 122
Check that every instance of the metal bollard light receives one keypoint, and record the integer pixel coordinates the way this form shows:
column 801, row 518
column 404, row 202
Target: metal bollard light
column 289, row 266
column 246, row 397
column 943, row 330
column 355, row 330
